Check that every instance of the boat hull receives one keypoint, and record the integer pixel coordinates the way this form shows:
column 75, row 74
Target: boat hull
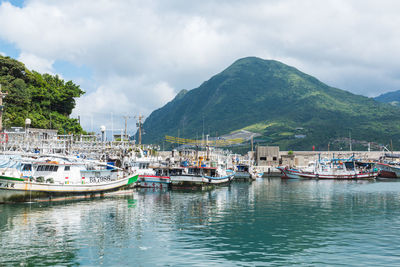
column 289, row 173
column 369, row 175
column 20, row 190
column 190, row 181
column 151, row 181
column 388, row 171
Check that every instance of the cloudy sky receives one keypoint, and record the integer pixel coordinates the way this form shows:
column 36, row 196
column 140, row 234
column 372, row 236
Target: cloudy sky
column 132, row 57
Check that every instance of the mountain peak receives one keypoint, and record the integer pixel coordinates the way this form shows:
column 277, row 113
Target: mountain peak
column 274, row 100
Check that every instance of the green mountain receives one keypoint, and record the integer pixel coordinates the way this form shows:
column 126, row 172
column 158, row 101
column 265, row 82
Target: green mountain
column 284, row 105
column 392, row 98
column 45, row 99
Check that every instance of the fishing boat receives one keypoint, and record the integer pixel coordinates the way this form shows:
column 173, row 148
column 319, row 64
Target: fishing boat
column 151, row 177
column 242, row 172
column 25, row 178
column 289, row 173
column 340, row 175
column 200, row 176
column 388, row 170
column 338, row 169
column 151, row 172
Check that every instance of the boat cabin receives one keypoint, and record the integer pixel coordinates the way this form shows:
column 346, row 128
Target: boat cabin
column 203, row 171
column 67, row 172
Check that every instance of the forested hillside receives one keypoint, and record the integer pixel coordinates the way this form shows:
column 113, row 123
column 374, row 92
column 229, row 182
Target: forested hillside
column 392, row 98
column 45, row 99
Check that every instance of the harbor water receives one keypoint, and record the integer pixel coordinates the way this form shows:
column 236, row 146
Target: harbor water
column 270, row 222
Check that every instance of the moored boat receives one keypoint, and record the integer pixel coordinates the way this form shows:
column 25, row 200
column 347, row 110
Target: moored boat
column 338, row 169
column 339, row 175
column 289, row 173
column 26, row 179
column 151, row 173
column 158, row 179
column 388, row 170
column 195, row 176
column 242, row 172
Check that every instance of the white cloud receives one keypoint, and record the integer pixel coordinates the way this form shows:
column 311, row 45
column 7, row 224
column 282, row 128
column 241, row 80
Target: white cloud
column 36, row 63
column 142, row 53
column 122, row 96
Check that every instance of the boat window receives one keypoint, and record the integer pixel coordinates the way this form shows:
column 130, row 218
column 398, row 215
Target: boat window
column 47, row 168
column 27, row 167
column 67, row 168
column 39, row 168
column 55, row 168
column 194, row 171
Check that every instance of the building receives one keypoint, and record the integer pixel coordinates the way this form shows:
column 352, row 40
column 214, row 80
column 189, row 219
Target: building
column 267, row 156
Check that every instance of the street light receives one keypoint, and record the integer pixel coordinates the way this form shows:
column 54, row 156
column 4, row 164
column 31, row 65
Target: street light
column 27, row 124
column 102, row 129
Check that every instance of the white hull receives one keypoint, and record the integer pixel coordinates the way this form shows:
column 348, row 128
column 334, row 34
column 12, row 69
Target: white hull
column 344, row 176
column 15, row 189
column 179, row 179
column 195, row 180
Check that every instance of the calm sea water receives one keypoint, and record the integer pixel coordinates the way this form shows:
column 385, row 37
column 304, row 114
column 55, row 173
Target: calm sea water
column 267, row 222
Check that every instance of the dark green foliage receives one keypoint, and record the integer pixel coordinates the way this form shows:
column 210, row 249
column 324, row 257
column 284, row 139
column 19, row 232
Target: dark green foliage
column 45, row 99
column 279, row 102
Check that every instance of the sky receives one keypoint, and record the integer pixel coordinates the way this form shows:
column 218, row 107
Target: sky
column 132, row 57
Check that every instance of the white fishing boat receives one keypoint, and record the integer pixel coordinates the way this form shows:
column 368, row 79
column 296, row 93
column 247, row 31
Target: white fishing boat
column 46, row 177
column 151, row 177
column 340, row 169
column 195, row 176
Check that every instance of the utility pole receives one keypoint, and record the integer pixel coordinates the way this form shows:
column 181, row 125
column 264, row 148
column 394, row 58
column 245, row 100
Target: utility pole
column 2, row 95
column 251, row 143
column 126, row 125
column 139, row 125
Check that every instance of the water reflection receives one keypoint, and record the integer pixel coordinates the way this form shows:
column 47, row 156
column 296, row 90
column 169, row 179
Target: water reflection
column 268, row 221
